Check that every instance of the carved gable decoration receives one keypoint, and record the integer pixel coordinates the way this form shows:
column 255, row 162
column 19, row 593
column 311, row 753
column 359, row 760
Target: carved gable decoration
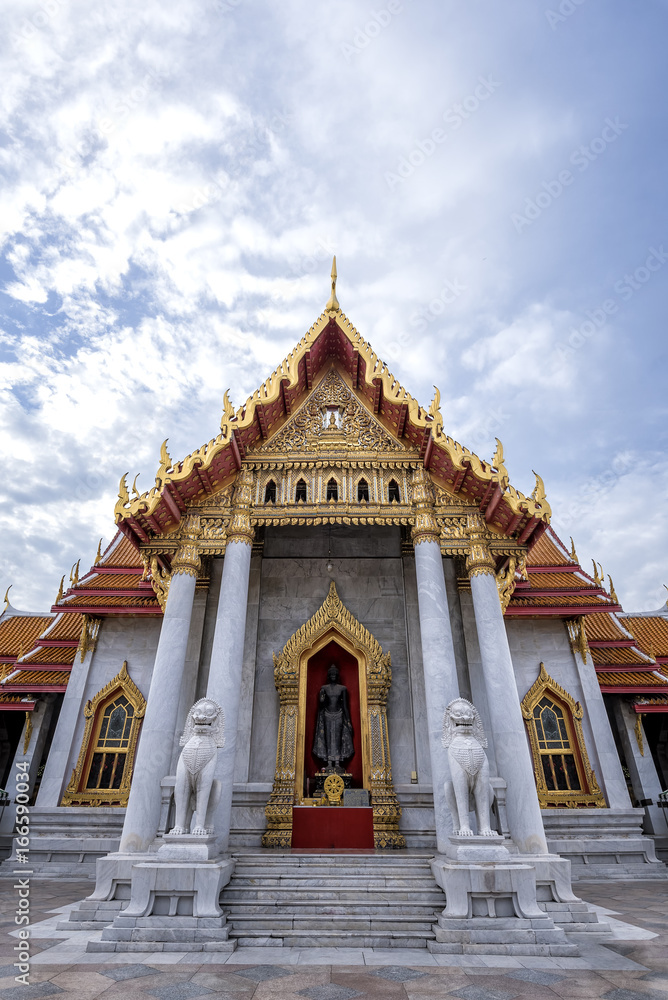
column 333, row 420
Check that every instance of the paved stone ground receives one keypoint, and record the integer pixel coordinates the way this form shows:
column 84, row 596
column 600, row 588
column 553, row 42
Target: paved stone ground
column 634, row 969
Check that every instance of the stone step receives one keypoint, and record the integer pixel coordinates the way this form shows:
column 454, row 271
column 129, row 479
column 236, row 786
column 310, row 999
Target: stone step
column 545, row 950
column 347, row 923
column 311, row 894
column 331, row 939
column 333, row 909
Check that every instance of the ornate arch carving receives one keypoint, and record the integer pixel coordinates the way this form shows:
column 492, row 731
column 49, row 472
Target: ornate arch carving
column 333, row 621
column 568, row 743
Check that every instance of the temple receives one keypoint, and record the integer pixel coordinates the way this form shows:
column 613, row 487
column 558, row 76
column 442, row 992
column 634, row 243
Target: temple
column 332, row 521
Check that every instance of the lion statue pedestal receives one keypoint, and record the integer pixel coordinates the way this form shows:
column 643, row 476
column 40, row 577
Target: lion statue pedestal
column 184, row 880
column 490, row 888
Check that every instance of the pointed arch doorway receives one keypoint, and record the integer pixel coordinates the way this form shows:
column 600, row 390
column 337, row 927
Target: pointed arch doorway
column 333, row 634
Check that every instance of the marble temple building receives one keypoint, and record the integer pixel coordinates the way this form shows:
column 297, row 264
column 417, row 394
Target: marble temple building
column 332, row 522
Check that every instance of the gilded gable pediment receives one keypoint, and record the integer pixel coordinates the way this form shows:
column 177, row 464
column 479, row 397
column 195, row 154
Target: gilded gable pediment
column 333, row 420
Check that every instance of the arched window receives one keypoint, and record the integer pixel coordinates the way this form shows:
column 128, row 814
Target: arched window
column 363, row 490
column 300, row 492
column 104, row 768
column 393, row 494
column 564, row 776
column 270, row 492
column 332, row 489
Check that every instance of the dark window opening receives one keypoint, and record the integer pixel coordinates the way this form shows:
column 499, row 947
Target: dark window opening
column 270, row 492
column 332, row 489
column 363, row 490
column 393, row 492
column 300, row 493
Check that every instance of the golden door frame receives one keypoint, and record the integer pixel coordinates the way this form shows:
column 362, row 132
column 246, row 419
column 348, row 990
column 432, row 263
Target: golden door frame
column 333, row 621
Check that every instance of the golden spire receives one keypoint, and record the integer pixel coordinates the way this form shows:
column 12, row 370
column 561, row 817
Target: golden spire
column 7, row 598
column 333, row 304
column 98, row 557
column 574, row 555
column 74, row 574
column 59, row 595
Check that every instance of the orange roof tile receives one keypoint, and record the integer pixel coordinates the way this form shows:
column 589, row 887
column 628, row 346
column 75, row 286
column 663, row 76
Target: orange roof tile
column 628, row 678
column 20, row 631
column 650, row 632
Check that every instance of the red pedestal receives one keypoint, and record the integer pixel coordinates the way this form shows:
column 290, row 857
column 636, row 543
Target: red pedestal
column 332, row 826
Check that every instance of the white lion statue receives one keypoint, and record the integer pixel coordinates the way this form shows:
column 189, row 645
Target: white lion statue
column 469, row 787
column 196, row 792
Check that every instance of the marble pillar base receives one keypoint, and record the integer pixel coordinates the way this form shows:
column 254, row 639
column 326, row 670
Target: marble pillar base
column 173, row 906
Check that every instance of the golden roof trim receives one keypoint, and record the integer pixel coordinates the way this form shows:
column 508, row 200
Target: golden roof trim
column 535, row 505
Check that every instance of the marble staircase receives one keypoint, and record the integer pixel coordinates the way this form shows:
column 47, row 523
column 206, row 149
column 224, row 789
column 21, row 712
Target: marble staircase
column 337, row 900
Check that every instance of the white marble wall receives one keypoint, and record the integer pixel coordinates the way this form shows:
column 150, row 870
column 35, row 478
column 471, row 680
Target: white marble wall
column 367, row 570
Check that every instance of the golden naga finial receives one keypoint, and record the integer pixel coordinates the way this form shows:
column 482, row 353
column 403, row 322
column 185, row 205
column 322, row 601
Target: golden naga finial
column 165, row 463
column 539, row 497
column 574, row 555
column 123, row 495
column 228, row 413
column 98, row 554
column 59, row 595
column 613, row 595
column 333, row 304
column 598, row 577
column 435, row 413
column 7, row 597
column 74, row 573
column 498, row 464
column 135, row 491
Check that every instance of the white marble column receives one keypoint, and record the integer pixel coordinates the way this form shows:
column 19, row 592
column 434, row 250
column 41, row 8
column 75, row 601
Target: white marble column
column 644, row 778
column 158, row 731
column 513, row 755
column 438, row 655
column 226, row 668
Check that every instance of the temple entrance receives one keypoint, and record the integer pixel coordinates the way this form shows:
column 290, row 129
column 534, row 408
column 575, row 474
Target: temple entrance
column 324, row 715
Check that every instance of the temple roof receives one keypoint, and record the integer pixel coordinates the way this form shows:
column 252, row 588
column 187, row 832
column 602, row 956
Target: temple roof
column 331, row 341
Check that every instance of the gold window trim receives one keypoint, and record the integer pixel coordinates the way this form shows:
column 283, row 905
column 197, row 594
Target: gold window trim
column 333, row 621
column 76, row 793
column 591, row 795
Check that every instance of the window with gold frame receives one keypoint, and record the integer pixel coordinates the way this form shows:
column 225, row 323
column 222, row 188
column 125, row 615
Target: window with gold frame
column 564, row 776
column 103, row 771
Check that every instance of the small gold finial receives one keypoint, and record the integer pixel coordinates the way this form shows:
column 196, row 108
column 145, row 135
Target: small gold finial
column 7, row 598
column 574, row 555
column 59, row 595
column 74, row 574
column 613, row 595
column 333, row 304
column 135, row 491
column 98, row 557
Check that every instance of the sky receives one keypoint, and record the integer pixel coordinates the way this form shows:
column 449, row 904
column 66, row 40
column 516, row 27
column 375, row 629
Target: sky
column 177, row 176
